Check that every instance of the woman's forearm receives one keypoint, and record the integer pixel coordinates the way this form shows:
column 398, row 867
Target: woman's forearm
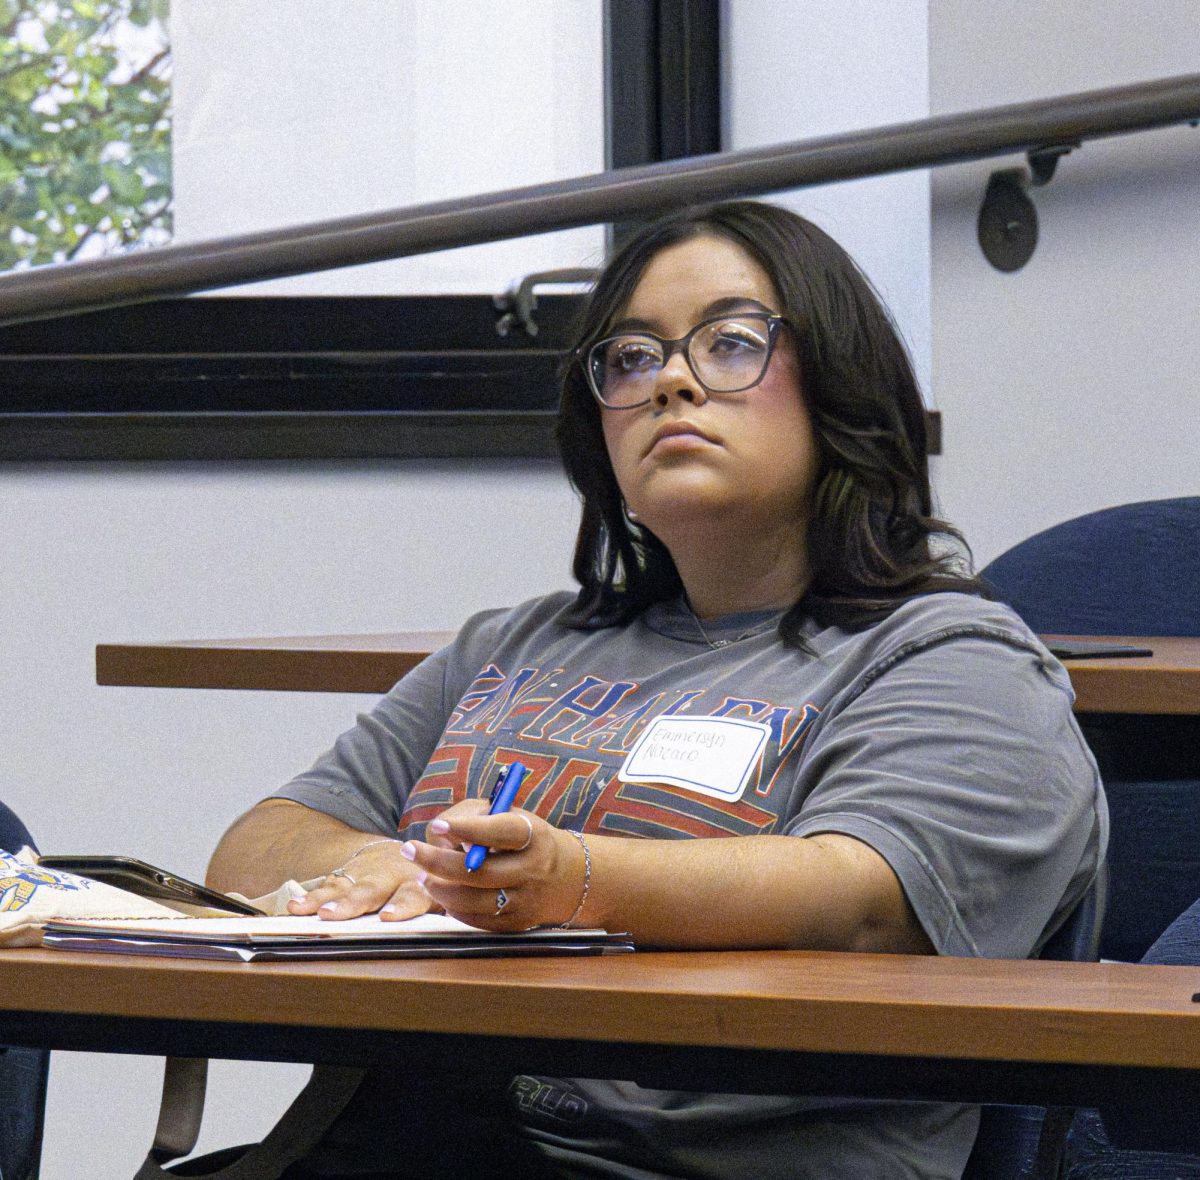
column 826, row 891
column 277, row 840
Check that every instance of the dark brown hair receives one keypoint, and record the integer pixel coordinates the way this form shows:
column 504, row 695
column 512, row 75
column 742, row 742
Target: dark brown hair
column 873, row 542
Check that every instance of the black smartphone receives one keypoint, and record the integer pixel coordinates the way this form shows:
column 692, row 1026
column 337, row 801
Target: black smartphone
column 136, row 876
column 1086, row 649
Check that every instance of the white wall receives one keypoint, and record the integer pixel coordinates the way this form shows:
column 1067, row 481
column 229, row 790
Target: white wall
column 809, row 68
column 1069, row 385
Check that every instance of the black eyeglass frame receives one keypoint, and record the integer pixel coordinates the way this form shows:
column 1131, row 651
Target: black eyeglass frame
column 683, row 344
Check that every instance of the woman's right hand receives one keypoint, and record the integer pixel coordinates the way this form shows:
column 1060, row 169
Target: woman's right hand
column 376, row 878
column 535, row 874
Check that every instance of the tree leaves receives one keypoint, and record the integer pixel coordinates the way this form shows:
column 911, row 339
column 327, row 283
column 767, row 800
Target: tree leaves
column 85, row 147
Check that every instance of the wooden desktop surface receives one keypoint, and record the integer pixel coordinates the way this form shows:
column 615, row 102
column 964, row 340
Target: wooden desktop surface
column 292, row 663
column 1166, row 682
column 805, row 1021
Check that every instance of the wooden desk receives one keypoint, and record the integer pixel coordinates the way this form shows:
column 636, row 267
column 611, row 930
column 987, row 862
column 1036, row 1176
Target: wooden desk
column 775, row 1021
column 1167, row 682
column 304, row 663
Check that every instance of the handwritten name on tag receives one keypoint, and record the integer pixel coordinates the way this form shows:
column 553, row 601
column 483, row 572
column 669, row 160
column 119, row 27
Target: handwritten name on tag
column 710, row 755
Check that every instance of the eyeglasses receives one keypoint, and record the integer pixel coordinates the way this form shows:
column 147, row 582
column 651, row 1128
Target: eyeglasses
column 726, row 354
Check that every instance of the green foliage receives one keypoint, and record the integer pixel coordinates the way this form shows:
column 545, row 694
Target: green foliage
column 85, row 128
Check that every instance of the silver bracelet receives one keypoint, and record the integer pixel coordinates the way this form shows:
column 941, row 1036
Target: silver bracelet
column 362, row 849
column 587, row 880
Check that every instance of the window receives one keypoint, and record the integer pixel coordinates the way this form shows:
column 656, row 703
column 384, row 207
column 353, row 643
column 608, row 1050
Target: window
column 398, row 358
column 85, row 122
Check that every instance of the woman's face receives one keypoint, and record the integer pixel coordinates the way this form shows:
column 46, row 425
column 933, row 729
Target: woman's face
column 690, row 458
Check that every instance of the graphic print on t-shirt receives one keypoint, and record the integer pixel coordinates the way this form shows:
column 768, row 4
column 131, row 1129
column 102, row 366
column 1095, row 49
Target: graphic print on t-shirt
column 574, row 737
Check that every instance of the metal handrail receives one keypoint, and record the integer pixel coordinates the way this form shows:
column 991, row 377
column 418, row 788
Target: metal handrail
column 610, row 196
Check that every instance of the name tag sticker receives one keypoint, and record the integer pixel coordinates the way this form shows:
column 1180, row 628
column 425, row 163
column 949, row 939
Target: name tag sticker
column 710, row 755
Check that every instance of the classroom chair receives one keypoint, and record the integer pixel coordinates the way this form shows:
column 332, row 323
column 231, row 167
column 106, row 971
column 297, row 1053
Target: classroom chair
column 23, row 1072
column 1128, row 570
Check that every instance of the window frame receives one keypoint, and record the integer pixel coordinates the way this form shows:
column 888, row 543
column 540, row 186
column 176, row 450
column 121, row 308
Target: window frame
column 326, row 377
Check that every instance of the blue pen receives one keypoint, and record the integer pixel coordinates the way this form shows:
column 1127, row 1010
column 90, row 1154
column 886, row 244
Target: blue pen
column 503, row 794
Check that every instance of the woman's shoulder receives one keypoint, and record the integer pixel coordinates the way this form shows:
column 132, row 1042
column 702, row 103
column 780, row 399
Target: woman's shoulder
column 948, row 642
column 933, row 620
column 953, row 612
column 534, row 614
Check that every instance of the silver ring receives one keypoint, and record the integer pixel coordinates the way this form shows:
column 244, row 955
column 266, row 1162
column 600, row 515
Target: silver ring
column 343, row 873
column 529, row 825
column 501, row 902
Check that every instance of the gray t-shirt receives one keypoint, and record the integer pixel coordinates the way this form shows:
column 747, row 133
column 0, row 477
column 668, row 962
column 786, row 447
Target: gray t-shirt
column 942, row 737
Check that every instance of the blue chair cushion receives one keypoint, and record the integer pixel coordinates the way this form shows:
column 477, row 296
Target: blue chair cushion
column 1154, row 856
column 1161, row 1128
column 1151, row 771
column 1118, row 571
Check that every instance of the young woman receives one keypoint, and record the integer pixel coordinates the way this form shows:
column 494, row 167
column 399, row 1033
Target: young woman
column 778, row 713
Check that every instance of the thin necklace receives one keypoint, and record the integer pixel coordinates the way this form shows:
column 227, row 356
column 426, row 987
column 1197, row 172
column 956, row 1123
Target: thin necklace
column 717, row 644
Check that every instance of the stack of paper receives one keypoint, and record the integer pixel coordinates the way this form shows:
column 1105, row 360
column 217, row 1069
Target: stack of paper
column 252, row 939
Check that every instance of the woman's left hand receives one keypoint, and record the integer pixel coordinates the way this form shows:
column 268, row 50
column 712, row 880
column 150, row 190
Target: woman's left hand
column 532, row 876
